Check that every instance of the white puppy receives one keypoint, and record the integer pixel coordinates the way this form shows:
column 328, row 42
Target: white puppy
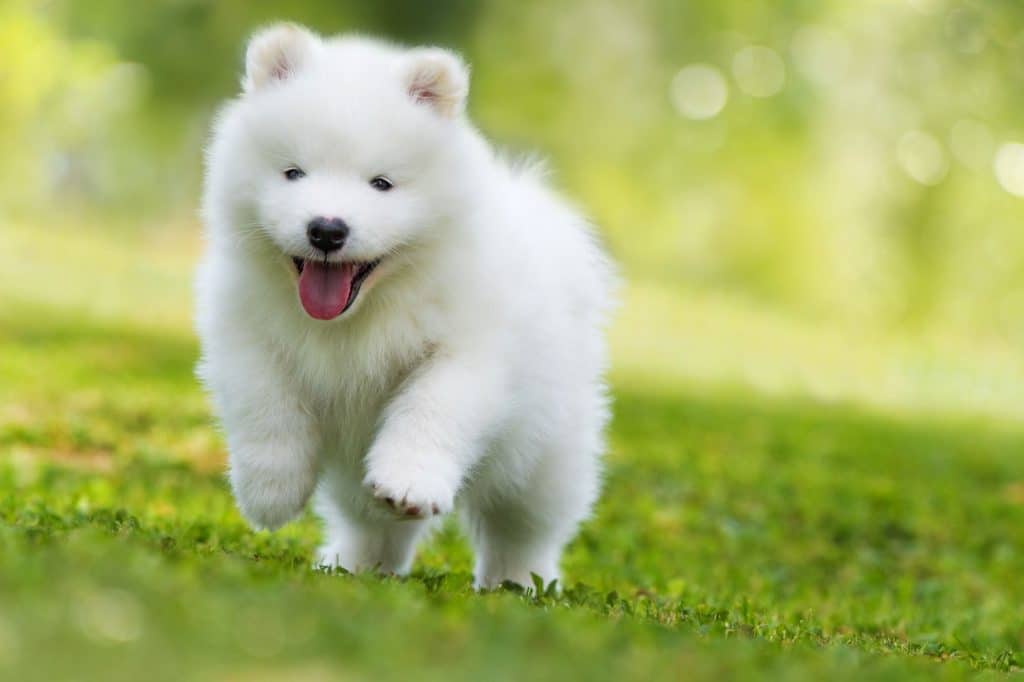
column 393, row 316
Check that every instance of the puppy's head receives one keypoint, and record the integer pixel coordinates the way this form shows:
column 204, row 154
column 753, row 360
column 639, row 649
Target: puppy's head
column 344, row 154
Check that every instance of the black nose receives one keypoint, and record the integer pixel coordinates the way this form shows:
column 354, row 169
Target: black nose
column 327, row 234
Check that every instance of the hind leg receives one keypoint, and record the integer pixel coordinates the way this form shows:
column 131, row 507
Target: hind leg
column 512, row 552
column 522, row 529
column 363, row 543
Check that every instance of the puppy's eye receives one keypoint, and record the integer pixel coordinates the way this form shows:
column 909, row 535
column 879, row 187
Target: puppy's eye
column 381, row 183
column 294, row 173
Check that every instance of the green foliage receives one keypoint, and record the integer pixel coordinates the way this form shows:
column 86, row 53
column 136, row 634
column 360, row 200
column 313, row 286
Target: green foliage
column 740, row 535
column 143, row 565
column 849, row 174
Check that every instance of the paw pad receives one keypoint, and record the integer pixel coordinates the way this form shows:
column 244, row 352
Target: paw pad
column 409, row 505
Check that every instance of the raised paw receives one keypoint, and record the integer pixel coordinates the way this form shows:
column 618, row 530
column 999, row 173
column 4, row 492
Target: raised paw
column 409, row 503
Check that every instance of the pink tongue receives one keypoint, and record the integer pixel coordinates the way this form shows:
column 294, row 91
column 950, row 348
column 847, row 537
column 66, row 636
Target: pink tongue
column 324, row 289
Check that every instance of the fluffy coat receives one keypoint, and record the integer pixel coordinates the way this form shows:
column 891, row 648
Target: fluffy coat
column 467, row 369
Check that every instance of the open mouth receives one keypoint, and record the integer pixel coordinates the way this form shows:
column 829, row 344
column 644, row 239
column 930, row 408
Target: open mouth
column 327, row 289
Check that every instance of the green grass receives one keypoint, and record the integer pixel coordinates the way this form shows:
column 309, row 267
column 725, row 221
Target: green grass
column 782, row 500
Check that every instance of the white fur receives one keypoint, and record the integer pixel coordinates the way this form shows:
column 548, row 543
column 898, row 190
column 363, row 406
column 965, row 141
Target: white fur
column 468, row 372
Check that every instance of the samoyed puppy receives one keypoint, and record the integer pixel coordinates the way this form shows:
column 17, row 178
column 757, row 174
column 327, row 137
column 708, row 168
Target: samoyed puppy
column 394, row 318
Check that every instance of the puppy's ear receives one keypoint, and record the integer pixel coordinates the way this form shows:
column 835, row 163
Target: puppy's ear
column 275, row 53
column 437, row 78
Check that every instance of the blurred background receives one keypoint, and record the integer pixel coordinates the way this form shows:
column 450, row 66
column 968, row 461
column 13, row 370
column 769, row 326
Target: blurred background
column 808, row 197
column 817, row 366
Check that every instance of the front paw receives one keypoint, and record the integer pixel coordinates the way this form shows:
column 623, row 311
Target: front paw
column 269, row 514
column 269, row 504
column 411, row 495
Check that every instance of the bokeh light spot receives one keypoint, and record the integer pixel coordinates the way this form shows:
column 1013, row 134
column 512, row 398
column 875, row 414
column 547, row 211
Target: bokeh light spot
column 1009, row 168
column 922, row 157
column 759, row 71
column 110, row 616
column 699, row 91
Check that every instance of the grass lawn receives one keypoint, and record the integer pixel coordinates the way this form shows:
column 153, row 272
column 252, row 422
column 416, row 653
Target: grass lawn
column 783, row 500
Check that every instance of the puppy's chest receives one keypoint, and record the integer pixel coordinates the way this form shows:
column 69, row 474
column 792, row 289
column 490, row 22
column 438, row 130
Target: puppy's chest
column 347, row 384
column 349, row 412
